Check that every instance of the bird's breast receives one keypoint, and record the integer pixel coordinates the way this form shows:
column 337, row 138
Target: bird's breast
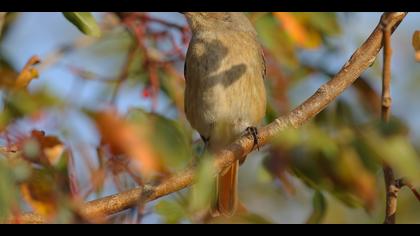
column 224, row 82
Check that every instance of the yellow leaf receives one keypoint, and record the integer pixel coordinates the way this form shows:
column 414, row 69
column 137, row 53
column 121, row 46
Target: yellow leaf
column 28, row 73
column 54, row 153
column 52, row 148
column 40, row 195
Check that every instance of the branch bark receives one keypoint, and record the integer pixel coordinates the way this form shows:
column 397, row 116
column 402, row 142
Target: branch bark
column 391, row 190
column 361, row 60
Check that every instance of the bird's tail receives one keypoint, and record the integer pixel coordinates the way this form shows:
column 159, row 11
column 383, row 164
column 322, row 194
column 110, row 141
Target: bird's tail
column 227, row 191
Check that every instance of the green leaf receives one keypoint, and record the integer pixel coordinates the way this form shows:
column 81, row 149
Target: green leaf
column 84, row 21
column 397, row 151
column 8, row 191
column 326, row 22
column 203, row 191
column 22, row 103
column 277, row 41
column 170, row 211
column 319, row 208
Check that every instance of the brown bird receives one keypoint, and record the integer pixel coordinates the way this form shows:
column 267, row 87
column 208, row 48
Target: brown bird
column 225, row 94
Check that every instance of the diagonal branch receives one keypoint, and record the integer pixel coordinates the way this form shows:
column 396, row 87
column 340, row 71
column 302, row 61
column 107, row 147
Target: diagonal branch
column 357, row 64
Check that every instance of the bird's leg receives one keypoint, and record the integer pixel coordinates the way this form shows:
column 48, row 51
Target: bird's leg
column 252, row 130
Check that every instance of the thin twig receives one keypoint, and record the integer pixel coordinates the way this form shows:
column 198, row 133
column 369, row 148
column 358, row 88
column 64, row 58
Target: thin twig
column 386, row 75
column 390, row 188
column 358, row 63
column 124, row 72
column 403, row 182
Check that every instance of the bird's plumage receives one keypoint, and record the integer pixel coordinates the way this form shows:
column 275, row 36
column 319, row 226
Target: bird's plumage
column 225, row 93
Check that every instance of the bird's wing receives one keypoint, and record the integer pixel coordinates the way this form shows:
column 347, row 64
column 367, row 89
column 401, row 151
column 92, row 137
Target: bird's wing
column 264, row 70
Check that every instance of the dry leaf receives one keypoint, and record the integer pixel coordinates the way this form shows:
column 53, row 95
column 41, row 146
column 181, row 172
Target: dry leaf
column 129, row 139
column 416, row 44
column 28, row 73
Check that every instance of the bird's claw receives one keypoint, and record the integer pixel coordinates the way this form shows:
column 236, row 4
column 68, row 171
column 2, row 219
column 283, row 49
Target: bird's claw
column 254, row 132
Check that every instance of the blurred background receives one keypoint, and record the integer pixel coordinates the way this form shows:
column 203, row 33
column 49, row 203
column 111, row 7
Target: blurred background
column 88, row 116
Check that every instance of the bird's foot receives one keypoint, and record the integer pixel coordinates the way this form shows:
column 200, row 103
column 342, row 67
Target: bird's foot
column 254, row 132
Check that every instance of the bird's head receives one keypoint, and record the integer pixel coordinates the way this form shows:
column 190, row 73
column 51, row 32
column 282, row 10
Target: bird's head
column 218, row 21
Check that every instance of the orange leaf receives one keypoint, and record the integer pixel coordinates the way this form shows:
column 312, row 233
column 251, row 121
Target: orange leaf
column 416, row 44
column 28, row 73
column 297, row 30
column 129, row 139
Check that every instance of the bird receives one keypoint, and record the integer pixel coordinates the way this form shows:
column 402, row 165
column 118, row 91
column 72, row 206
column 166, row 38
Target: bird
column 225, row 95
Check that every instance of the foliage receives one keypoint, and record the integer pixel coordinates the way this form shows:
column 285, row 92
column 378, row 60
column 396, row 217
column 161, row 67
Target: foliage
column 130, row 128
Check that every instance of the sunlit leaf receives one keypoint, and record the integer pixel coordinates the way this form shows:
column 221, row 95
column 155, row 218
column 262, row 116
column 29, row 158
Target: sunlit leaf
column 84, row 21
column 307, row 29
column 28, row 73
column 301, row 35
column 169, row 139
column 52, row 148
column 127, row 138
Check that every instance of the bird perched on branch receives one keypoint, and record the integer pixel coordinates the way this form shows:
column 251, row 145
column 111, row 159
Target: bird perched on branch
column 225, row 94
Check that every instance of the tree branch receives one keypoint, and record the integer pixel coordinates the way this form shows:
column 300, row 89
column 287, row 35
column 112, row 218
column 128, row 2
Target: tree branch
column 357, row 64
column 391, row 189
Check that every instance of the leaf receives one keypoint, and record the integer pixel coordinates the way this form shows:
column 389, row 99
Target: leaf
column 202, row 192
column 170, row 211
column 28, row 73
column 84, row 21
column 51, row 147
column 319, row 208
column 40, row 193
column 21, row 103
column 397, row 151
column 8, row 193
column 324, row 22
column 302, row 35
column 416, row 44
column 355, row 178
column 125, row 137
column 276, row 41
column 169, row 138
